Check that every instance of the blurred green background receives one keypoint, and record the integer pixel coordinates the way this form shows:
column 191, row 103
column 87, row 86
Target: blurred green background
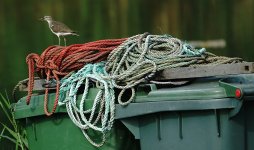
column 22, row 33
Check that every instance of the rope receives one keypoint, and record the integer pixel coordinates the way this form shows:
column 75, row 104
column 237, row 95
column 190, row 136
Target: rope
column 56, row 62
column 103, row 105
column 14, row 91
column 130, row 62
column 138, row 58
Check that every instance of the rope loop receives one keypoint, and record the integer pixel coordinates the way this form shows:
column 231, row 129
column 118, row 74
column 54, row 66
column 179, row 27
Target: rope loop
column 138, row 58
column 57, row 61
column 120, row 101
column 101, row 116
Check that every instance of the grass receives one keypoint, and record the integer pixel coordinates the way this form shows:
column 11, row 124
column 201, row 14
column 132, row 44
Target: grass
column 14, row 131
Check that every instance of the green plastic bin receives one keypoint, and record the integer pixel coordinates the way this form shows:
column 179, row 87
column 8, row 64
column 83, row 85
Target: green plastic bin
column 58, row 132
column 208, row 114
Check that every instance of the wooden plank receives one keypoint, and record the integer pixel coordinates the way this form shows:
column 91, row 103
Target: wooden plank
column 39, row 85
column 206, row 71
column 179, row 73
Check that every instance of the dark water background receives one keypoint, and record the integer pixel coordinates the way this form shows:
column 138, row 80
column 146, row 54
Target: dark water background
column 21, row 33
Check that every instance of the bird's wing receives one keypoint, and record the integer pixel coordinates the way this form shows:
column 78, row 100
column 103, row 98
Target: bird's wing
column 60, row 27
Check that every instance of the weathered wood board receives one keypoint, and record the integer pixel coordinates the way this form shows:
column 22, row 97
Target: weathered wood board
column 181, row 73
column 206, row 71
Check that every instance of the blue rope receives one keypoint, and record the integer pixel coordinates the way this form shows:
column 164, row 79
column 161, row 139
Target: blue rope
column 133, row 62
column 188, row 50
column 103, row 110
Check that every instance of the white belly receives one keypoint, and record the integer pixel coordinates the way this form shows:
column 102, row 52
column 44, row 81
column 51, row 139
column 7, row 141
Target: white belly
column 62, row 34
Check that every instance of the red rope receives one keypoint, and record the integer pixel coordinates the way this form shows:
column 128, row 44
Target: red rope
column 56, row 62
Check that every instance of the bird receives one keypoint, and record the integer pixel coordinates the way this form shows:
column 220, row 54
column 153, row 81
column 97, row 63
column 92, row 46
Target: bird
column 58, row 28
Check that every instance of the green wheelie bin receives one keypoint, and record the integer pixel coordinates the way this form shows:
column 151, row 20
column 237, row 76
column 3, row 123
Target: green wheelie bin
column 213, row 113
column 58, row 132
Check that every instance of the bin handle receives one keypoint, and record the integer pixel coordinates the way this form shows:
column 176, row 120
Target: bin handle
column 239, row 92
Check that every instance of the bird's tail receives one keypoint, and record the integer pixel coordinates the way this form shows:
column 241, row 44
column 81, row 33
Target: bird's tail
column 74, row 33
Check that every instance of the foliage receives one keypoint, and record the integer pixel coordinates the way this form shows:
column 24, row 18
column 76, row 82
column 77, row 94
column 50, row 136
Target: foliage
column 14, row 130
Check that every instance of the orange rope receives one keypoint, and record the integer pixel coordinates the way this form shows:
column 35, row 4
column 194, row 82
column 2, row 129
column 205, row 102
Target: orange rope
column 57, row 61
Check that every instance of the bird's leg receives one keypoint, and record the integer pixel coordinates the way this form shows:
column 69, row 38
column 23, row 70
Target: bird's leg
column 59, row 40
column 64, row 41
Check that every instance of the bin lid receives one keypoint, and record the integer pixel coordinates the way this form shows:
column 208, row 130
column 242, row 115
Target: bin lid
column 203, row 89
column 36, row 106
column 201, row 94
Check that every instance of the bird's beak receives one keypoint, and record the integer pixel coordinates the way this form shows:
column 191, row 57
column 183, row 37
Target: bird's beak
column 41, row 19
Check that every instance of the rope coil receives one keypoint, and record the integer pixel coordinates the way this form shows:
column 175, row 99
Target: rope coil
column 104, row 102
column 56, row 62
column 138, row 58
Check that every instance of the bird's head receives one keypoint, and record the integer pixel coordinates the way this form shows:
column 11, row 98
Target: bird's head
column 46, row 18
